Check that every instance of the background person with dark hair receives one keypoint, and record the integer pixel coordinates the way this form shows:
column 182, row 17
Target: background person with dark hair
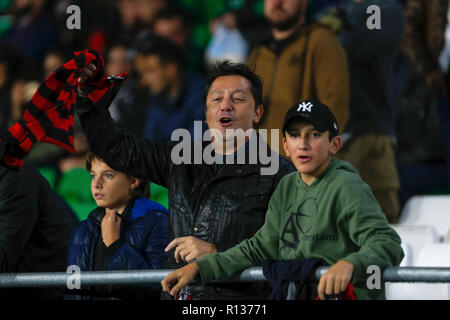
column 171, row 98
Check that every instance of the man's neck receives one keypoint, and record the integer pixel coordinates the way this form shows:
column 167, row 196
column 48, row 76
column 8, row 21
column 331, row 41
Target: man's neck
column 231, row 146
column 281, row 35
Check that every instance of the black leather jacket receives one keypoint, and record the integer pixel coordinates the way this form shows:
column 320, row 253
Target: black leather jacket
column 221, row 205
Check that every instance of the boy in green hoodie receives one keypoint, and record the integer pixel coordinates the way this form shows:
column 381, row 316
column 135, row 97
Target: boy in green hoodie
column 324, row 211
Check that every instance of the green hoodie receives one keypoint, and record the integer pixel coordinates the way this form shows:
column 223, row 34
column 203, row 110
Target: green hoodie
column 335, row 218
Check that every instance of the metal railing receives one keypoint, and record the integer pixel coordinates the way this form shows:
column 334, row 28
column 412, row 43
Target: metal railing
column 253, row 274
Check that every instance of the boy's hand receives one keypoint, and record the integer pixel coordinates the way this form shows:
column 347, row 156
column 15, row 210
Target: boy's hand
column 335, row 280
column 182, row 276
column 110, row 228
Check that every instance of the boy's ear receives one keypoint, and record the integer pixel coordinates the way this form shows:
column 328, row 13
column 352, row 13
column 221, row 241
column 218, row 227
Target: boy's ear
column 134, row 183
column 285, row 147
column 336, row 144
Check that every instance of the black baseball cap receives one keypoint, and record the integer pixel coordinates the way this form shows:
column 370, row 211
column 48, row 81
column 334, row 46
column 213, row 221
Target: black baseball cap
column 314, row 112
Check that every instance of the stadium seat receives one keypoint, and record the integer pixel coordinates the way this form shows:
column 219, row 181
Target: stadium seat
column 50, row 174
column 432, row 255
column 159, row 194
column 75, row 187
column 430, row 210
column 416, row 237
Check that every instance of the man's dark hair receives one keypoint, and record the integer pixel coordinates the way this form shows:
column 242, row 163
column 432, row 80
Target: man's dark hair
column 228, row 68
column 164, row 49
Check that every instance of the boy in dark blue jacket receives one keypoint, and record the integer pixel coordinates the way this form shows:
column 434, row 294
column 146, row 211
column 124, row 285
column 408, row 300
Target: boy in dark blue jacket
column 125, row 232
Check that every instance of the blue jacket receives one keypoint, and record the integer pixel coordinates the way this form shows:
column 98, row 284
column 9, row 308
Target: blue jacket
column 144, row 234
column 163, row 118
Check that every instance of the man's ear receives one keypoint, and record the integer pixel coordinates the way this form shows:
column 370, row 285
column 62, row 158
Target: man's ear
column 172, row 70
column 336, row 144
column 258, row 113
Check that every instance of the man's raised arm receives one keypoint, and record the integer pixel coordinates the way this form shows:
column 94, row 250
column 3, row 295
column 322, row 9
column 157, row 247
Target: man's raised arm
column 136, row 156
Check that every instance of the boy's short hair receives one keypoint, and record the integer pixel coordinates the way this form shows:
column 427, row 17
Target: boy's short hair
column 315, row 113
column 141, row 191
column 228, row 68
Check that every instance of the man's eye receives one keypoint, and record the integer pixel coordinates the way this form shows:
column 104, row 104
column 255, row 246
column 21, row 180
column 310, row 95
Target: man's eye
column 109, row 176
column 316, row 134
column 294, row 135
column 92, row 176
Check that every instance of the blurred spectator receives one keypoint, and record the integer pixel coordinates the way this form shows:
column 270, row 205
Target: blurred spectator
column 299, row 61
column 100, row 24
column 244, row 18
column 173, row 23
column 369, row 134
column 423, row 118
column 53, row 60
column 35, row 226
column 171, row 98
column 226, row 44
column 45, row 154
column 147, row 10
column 33, row 31
column 117, row 60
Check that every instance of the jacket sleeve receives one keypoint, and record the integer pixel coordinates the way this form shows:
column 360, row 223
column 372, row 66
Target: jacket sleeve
column 368, row 228
column 123, row 152
column 250, row 252
column 19, row 210
column 127, row 257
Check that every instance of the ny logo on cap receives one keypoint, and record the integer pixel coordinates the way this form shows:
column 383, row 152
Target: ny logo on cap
column 305, row 107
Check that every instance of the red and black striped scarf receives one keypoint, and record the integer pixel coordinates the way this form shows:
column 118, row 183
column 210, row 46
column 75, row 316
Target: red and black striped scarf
column 48, row 117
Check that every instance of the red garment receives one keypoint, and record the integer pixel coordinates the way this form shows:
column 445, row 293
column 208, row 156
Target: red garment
column 347, row 294
column 48, row 117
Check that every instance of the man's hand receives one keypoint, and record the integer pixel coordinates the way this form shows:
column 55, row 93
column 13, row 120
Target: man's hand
column 182, row 276
column 110, row 228
column 190, row 248
column 87, row 73
column 335, row 280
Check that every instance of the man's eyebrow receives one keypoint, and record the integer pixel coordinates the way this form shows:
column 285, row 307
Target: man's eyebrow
column 233, row 92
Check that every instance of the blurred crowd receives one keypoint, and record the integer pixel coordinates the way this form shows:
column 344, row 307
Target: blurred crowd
column 391, row 96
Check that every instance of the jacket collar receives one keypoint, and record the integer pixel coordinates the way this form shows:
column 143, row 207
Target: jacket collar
column 99, row 213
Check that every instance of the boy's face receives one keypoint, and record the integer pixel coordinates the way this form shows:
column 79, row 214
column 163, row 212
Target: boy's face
column 110, row 188
column 309, row 150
